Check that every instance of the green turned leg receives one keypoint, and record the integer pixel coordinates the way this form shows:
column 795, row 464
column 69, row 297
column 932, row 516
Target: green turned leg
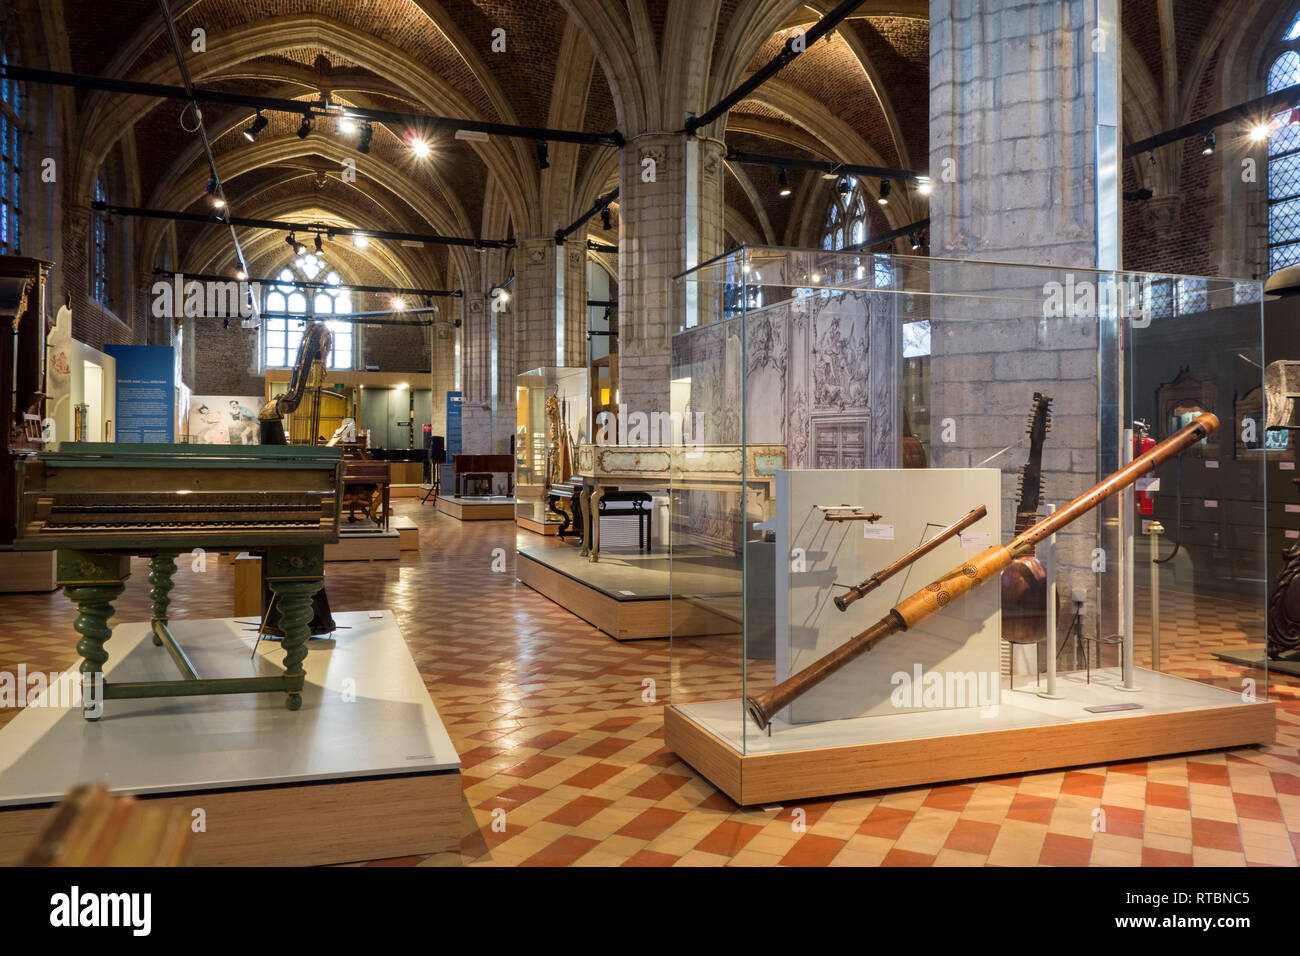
column 295, row 575
column 93, row 582
column 161, row 569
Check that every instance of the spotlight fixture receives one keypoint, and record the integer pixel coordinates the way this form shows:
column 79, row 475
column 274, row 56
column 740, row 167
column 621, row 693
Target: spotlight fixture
column 360, row 241
column 843, row 187
column 295, row 245
column 884, row 192
column 399, row 304
column 256, row 127
column 305, row 127
column 225, row 323
column 319, row 248
column 925, row 187
column 784, row 179
column 241, row 275
column 419, row 146
column 914, row 241
column 605, row 221
column 543, row 154
column 346, row 125
column 367, row 132
column 214, row 194
column 1207, row 144
column 1259, row 132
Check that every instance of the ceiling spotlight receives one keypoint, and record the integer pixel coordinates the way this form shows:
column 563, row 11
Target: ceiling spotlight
column 214, row 194
column 367, row 132
column 884, row 192
column 1207, row 144
column 225, row 323
column 784, row 179
column 305, row 127
column 295, row 245
column 925, row 187
column 319, row 247
column 256, row 127
column 241, row 275
column 399, row 304
column 419, row 147
column 843, row 187
column 346, row 125
column 543, row 157
column 605, row 221
column 360, row 241
column 817, row 277
column 1259, row 132
column 914, row 241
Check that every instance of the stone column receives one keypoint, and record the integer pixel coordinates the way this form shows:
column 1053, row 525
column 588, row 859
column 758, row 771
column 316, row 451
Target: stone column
column 655, row 230
column 1023, row 122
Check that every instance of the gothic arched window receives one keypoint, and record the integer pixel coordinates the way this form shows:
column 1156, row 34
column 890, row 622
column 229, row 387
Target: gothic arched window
column 288, row 308
column 1284, row 161
column 10, row 162
column 846, row 220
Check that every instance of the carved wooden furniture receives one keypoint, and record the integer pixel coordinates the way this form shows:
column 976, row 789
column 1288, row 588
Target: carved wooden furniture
column 99, row 504
column 22, row 361
column 477, row 466
column 697, row 468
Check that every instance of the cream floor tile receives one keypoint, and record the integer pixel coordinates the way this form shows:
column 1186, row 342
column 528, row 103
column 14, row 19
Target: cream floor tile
column 1164, row 841
column 1018, row 844
column 927, row 831
column 959, row 858
column 1169, row 821
column 848, row 857
column 749, row 857
column 1202, row 856
column 1278, row 854
column 697, row 858
column 1263, row 833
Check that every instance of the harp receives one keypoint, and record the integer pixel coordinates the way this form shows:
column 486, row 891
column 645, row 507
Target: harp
column 302, row 402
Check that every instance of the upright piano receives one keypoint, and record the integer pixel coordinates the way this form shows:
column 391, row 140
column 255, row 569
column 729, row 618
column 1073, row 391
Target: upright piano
column 470, row 466
column 99, row 504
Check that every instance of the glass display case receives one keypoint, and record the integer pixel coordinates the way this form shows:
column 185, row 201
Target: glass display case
column 552, row 418
column 893, row 398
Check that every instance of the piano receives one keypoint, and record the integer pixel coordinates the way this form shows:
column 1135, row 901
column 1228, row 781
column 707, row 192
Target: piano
column 751, row 468
column 477, row 466
column 366, row 483
column 100, row 504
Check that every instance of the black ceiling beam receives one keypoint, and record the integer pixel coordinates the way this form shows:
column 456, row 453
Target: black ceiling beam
column 421, row 121
column 304, row 227
column 824, row 166
column 774, row 66
column 888, row 236
column 600, row 203
column 595, row 246
column 305, row 284
column 1252, row 111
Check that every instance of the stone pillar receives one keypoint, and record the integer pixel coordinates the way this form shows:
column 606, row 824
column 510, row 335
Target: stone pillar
column 575, row 303
column 550, row 304
column 655, row 230
column 1023, row 126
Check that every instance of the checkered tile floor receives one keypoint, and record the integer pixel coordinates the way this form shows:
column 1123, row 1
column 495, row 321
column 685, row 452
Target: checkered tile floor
column 564, row 760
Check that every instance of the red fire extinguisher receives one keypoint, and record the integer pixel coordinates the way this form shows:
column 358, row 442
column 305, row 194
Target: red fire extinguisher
column 1142, row 443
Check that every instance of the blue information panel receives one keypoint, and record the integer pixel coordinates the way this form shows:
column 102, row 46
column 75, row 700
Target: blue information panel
column 453, row 424
column 146, row 395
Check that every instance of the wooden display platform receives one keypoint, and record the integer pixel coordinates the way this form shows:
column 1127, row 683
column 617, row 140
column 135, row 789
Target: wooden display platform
column 364, row 771
column 366, row 546
column 476, row 509
column 960, row 751
column 622, row 617
column 549, row 528
column 407, row 491
column 27, row 571
column 407, row 530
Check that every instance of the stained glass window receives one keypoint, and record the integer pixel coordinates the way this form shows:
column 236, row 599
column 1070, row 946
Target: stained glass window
column 1284, row 164
column 10, row 164
column 99, row 242
column 286, row 313
column 846, row 219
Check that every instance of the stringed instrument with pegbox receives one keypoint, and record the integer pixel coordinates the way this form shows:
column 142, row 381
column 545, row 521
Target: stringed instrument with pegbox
column 1024, row 583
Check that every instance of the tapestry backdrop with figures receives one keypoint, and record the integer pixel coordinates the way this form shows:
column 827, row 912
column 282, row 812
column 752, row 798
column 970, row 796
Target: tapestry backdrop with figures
column 224, row 419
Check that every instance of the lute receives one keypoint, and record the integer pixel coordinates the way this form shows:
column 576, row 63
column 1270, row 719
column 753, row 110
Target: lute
column 1024, row 583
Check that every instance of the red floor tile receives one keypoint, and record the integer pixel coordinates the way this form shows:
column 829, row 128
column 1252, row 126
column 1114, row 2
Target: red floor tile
column 651, row 858
column 1061, row 850
column 562, row 852
column 1123, row 821
column 1254, row 807
column 659, row 786
column 1030, row 809
column 1154, row 857
column 1167, row 795
column 728, row 838
column 1083, row 784
column 972, row 836
column 887, row 822
column 949, row 798
column 813, row 850
column 650, row 823
column 579, row 811
column 1215, row 834
column 1215, row 773
column 898, row 857
column 594, row 775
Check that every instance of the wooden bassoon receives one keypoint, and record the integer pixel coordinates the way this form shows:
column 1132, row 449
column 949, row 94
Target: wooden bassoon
column 986, row 566
column 880, row 577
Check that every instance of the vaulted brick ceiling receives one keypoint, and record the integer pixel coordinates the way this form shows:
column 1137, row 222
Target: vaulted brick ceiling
column 436, row 57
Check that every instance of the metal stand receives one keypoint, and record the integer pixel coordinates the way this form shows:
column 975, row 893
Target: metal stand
column 1048, row 557
column 1127, row 508
column 1154, row 530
